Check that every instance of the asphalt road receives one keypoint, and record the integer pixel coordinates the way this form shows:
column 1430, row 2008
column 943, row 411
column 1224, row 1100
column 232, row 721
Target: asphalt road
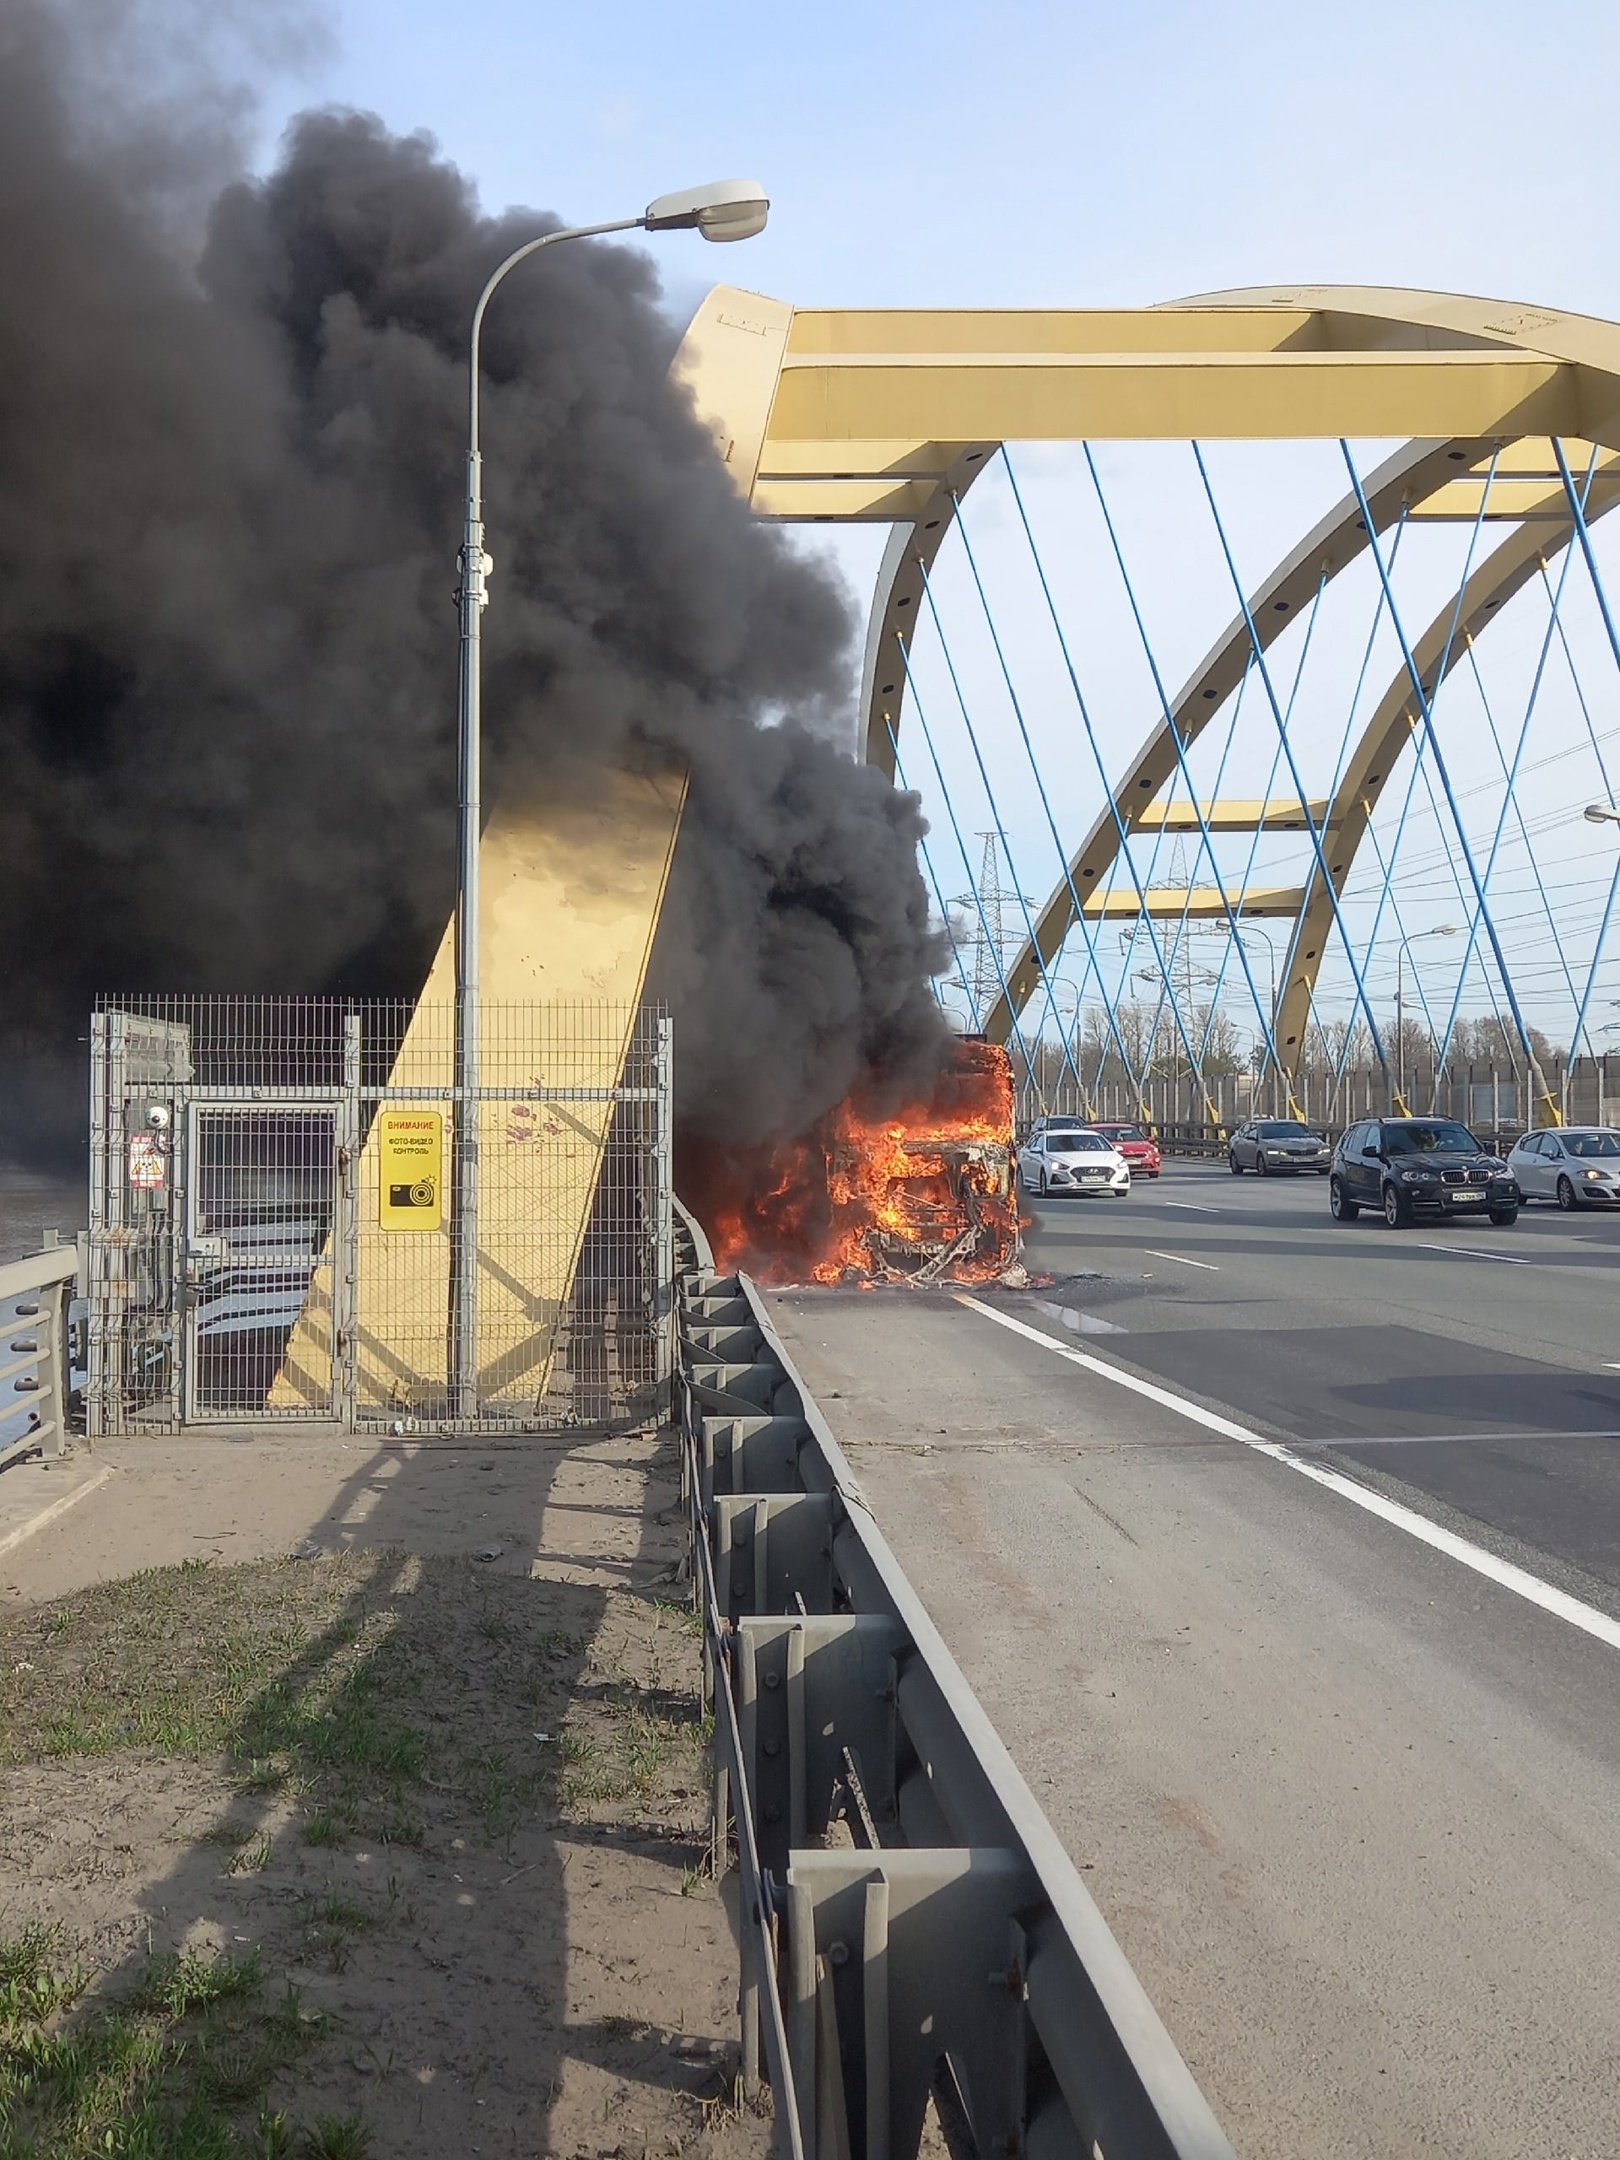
column 1351, row 1805
column 1478, row 1367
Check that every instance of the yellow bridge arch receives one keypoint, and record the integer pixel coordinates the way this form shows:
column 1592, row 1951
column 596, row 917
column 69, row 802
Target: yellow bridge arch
column 888, row 415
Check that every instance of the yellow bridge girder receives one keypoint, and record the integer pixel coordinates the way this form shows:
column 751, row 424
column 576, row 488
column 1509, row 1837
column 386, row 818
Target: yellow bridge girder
column 1197, row 903
column 1279, row 814
column 889, row 415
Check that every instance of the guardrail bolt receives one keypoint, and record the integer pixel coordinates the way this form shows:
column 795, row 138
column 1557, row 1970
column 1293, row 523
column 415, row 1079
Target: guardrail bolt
column 838, row 1953
column 773, row 1814
column 772, row 1748
column 773, row 1679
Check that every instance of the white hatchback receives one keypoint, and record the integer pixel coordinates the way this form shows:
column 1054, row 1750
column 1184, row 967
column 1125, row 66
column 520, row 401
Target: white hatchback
column 1070, row 1159
column 1574, row 1165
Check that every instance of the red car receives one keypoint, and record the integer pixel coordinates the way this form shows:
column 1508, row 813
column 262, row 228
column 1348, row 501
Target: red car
column 1139, row 1148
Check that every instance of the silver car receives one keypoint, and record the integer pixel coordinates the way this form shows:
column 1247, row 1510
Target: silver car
column 1269, row 1145
column 1574, row 1165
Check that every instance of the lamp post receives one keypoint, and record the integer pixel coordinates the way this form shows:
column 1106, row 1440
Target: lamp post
column 1444, row 929
column 724, row 210
column 1067, row 1042
column 1248, row 931
column 1597, row 813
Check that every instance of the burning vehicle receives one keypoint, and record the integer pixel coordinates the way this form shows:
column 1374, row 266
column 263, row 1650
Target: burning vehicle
column 927, row 1196
column 923, row 1194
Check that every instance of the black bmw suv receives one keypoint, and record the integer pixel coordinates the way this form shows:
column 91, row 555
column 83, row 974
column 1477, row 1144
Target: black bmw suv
column 1406, row 1165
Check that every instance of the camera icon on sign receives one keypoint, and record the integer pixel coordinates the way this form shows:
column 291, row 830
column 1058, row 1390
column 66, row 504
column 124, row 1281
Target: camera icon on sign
column 422, row 1194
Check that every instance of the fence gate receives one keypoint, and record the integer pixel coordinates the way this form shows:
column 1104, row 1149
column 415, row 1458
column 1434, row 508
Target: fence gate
column 263, row 1221
column 270, row 1218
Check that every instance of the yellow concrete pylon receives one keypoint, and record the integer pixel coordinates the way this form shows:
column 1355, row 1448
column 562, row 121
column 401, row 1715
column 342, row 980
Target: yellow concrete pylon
column 570, row 895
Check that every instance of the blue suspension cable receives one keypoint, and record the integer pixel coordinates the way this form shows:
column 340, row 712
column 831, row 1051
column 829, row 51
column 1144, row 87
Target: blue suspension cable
column 1386, row 891
column 1444, row 776
column 1580, row 699
column 1554, row 623
column 1366, row 658
column 1180, row 747
column 1122, row 852
column 1092, row 967
column 1583, row 531
column 1001, row 830
column 1510, row 774
column 933, row 879
column 1271, row 781
column 1336, row 1060
column 961, row 846
column 1293, row 768
column 1183, row 930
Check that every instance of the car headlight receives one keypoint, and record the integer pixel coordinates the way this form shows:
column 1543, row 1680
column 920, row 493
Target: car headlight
column 1417, row 1177
column 1592, row 1173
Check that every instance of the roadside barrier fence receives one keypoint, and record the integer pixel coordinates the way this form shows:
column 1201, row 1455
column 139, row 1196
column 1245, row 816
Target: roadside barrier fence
column 35, row 1377
column 910, row 1926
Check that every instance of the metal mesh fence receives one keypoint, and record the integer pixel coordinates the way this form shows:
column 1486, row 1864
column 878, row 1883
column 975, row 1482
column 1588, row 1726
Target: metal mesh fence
column 272, row 1212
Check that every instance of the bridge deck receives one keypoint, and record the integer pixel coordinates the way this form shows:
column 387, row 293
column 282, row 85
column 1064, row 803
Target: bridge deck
column 1348, row 1807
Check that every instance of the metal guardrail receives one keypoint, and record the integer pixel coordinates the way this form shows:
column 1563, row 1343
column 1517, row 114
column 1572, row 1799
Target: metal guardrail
column 1211, row 1140
column 34, row 1381
column 910, row 1923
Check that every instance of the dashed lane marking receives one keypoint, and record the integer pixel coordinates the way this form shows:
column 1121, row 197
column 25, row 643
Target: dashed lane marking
column 1181, row 1260
column 1195, row 1207
column 1358, row 1440
column 1603, row 1626
column 1472, row 1252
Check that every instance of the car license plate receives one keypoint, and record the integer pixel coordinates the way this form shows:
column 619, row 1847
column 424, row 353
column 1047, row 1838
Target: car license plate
column 1466, row 1199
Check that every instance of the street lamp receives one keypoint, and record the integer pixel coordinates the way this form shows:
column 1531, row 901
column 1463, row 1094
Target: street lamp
column 1066, row 1042
column 1250, row 930
column 1597, row 813
column 1444, row 929
column 724, row 210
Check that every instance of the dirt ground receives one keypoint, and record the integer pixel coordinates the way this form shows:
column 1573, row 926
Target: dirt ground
column 442, row 1773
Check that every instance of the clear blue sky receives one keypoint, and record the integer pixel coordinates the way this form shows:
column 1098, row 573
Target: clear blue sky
column 966, row 154
column 1031, row 153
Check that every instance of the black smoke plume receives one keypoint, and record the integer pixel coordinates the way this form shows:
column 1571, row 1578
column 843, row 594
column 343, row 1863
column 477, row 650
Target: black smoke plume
column 230, row 462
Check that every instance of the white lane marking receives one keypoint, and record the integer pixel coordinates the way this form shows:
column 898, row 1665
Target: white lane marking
column 1196, row 1207
column 48, row 1514
column 1472, row 1252
column 1085, row 1323
column 1355, row 1440
column 1502, row 1572
column 1181, row 1260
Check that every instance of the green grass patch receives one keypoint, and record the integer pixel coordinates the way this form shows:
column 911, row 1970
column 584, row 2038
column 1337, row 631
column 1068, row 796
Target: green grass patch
column 177, row 2066
column 346, row 1682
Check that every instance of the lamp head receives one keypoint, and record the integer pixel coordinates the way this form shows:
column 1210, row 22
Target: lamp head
column 1597, row 813
column 724, row 210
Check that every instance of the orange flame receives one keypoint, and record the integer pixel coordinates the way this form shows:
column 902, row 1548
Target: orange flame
column 923, row 1194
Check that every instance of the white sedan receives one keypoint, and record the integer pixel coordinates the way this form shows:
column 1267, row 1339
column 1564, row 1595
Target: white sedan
column 1073, row 1160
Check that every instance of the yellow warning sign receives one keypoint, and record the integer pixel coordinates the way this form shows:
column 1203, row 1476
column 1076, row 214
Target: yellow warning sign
column 410, row 1165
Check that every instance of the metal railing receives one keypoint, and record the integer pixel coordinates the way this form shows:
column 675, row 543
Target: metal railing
column 911, row 1926
column 270, row 1237
column 35, row 1293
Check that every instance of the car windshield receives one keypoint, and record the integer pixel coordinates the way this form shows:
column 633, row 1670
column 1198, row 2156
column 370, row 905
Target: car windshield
column 1077, row 1143
column 1439, row 1138
column 1123, row 1132
column 1591, row 1143
column 1281, row 1130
